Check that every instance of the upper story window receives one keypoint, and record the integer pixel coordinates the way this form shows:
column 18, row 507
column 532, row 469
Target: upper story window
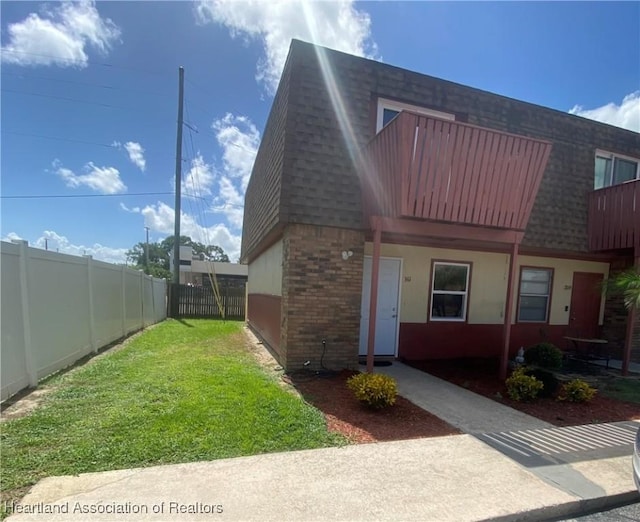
column 613, row 169
column 449, row 291
column 388, row 109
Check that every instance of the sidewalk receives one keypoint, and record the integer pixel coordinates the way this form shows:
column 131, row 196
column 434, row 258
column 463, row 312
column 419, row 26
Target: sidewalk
column 467, row 411
column 454, row 478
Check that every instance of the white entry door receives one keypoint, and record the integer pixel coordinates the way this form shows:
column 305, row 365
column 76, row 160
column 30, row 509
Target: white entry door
column 387, row 309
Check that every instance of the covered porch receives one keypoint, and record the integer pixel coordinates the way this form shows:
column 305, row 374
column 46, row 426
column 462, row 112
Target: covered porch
column 434, row 182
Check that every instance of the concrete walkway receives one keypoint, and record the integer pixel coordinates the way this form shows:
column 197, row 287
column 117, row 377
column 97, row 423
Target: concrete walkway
column 467, row 411
column 455, row 478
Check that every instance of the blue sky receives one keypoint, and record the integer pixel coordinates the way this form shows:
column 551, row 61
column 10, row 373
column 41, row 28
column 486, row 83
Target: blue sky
column 89, row 96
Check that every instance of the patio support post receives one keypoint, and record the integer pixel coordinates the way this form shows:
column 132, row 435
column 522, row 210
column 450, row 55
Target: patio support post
column 631, row 320
column 373, row 300
column 504, row 361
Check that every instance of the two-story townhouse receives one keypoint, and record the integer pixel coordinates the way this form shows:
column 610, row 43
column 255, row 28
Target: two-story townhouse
column 488, row 223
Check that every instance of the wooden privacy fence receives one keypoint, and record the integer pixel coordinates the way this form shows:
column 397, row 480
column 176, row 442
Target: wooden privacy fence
column 200, row 302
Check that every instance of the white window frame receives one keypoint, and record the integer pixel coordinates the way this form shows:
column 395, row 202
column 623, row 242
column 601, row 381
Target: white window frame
column 547, row 295
column 398, row 106
column 613, row 156
column 464, row 293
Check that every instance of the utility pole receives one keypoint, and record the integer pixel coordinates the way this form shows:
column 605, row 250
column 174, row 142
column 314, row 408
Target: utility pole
column 46, row 244
column 147, row 250
column 176, row 233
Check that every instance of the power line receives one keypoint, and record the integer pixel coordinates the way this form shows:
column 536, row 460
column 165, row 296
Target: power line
column 44, row 196
column 88, row 62
column 88, row 102
column 88, row 84
column 57, row 196
column 58, row 138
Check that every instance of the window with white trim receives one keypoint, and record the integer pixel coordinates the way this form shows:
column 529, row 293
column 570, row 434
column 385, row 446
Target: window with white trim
column 388, row 109
column 613, row 169
column 535, row 291
column 449, row 291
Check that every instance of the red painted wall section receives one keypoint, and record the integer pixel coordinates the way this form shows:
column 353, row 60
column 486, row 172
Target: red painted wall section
column 449, row 340
column 263, row 315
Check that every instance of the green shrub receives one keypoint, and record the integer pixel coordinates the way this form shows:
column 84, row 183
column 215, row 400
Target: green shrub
column 576, row 391
column 523, row 387
column 544, row 355
column 549, row 381
column 374, row 389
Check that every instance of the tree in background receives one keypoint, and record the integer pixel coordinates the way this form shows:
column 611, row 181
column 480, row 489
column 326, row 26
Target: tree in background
column 627, row 284
column 211, row 252
column 159, row 255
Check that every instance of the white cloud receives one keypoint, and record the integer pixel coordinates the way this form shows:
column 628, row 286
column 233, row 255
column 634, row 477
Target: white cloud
column 337, row 25
column 59, row 36
column 230, row 202
column 133, row 210
column 625, row 115
column 105, row 180
column 159, row 218
column 199, row 180
column 136, row 154
column 11, row 236
column 239, row 139
column 55, row 242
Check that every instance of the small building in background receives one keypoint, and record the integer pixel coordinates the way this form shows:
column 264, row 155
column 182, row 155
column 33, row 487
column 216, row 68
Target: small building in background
column 195, row 270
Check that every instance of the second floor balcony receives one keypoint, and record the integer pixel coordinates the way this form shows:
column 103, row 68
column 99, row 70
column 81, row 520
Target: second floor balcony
column 445, row 171
column 614, row 217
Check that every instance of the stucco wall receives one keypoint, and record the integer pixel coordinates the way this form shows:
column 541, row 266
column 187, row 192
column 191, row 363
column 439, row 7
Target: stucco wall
column 265, row 272
column 563, row 270
column 488, row 282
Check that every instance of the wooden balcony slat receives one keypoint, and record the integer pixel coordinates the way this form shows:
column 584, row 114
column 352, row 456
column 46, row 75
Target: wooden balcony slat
column 443, row 195
column 434, row 137
column 463, row 136
column 509, row 182
column 478, row 178
column 495, row 194
column 502, row 173
column 525, row 149
column 468, row 178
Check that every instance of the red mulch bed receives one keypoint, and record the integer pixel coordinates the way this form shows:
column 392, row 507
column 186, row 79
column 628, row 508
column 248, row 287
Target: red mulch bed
column 481, row 376
column 357, row 422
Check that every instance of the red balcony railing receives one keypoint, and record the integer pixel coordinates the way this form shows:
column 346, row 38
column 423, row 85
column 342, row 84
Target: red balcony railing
column 425, row 167
column 614, row 217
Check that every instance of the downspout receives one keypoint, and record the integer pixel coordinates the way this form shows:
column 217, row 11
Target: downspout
column 631, row 320
column 506, row 338
column 373, row 299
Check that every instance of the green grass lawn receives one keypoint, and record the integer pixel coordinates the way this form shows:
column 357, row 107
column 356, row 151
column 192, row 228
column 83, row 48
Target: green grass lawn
column 179, row 392
column 623, row 389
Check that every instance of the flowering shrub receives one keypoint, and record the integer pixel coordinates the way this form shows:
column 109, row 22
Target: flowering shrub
column 576, row 391
column 374, row 389
column 523, row 387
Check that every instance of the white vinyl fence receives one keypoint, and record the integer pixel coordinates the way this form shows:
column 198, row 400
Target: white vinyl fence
column 57, row 308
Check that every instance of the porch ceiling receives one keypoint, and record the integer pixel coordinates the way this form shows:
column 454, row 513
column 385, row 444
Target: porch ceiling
column 450, row 172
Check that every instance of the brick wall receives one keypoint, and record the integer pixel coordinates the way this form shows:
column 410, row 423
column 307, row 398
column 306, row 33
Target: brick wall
column 321, row 296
